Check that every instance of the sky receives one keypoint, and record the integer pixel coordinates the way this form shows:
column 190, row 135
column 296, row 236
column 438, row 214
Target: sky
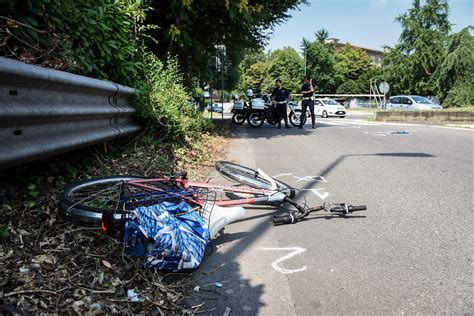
column 365, row 23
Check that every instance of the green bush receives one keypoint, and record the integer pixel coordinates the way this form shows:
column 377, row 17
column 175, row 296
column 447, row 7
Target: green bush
column 102, row 39
column 163, row 102
column 95, row 38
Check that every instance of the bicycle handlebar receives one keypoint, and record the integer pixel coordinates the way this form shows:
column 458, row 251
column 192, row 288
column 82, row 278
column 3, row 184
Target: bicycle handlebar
column 340, row 209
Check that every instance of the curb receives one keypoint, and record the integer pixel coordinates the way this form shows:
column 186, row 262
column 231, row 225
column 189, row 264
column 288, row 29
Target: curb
column 461, row 117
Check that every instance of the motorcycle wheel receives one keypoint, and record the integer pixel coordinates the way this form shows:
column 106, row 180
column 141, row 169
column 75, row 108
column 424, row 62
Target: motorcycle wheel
column 238, row 118
column 296, row 117
column 256, row 119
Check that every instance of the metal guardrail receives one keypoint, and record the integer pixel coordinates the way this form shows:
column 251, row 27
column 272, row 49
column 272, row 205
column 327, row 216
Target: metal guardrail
column 44, row 112
column 342, row 95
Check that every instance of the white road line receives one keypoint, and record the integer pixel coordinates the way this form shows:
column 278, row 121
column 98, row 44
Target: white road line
column 400, row 124
column 367, row 123
column 454, row 127
column 329, row 123
column 350, row 122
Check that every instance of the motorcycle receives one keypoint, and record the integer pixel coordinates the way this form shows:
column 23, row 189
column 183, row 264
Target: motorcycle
column 262, row 111
column 295, row 115
column 240, row 110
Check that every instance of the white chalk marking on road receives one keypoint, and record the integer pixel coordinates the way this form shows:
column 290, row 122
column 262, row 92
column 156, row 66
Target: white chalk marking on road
column 294, row 251
column 321, row 196
column 311, row 179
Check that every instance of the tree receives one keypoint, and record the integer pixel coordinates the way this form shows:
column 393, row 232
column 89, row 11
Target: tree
column 322, row 35
column 320, row 65
column 410, row 65
column 251, row 56
column 454, row 74
column 256, row 75
column 287, row 65
column 352, row 62
column 190, row 29
column 362, row 83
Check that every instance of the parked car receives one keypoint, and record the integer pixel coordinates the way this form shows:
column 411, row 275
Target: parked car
column 215, row 108
column 411, row 102
column 194, row 102
column 329, row 107
column 360, row 103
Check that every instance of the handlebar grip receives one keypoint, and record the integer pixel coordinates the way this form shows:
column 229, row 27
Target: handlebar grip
column 357, row 208
column 278, row 221
column 284, row 219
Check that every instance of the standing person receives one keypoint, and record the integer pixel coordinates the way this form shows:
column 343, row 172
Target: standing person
column 280, row 96
column 307, row 90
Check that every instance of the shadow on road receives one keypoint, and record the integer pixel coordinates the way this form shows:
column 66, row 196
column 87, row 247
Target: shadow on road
column 266, row 131
column 220, row 280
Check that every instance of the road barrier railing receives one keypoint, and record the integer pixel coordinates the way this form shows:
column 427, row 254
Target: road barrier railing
column 44, row 112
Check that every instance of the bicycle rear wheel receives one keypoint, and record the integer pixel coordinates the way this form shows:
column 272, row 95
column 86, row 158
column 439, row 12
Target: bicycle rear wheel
column 250, row 177
column 86, row 201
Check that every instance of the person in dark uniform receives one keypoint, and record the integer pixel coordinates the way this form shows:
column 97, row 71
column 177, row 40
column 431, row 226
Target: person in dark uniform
column 280, row 98
column 307, row 90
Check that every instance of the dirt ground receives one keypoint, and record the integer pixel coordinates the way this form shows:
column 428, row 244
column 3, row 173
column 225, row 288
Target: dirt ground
column 49, row 265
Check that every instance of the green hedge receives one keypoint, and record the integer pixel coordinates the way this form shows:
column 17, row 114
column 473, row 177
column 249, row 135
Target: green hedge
column 163, row 102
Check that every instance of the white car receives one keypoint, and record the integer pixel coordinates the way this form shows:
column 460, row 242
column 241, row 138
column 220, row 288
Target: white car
column 329, row 107
column 215, row 108
column 411, row 102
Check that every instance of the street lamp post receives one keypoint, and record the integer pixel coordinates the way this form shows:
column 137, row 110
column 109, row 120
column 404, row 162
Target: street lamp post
column 210, row 91
column 304, row 60
column 220, row 61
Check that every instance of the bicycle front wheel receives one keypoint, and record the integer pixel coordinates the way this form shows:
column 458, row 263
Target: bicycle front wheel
column 250, row 177
column 86, row 201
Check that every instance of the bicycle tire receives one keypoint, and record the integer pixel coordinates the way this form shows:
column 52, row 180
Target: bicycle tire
column 85, row 201
column 246, row 176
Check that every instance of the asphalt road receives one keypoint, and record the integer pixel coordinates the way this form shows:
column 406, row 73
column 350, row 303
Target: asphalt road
column 409, row 253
